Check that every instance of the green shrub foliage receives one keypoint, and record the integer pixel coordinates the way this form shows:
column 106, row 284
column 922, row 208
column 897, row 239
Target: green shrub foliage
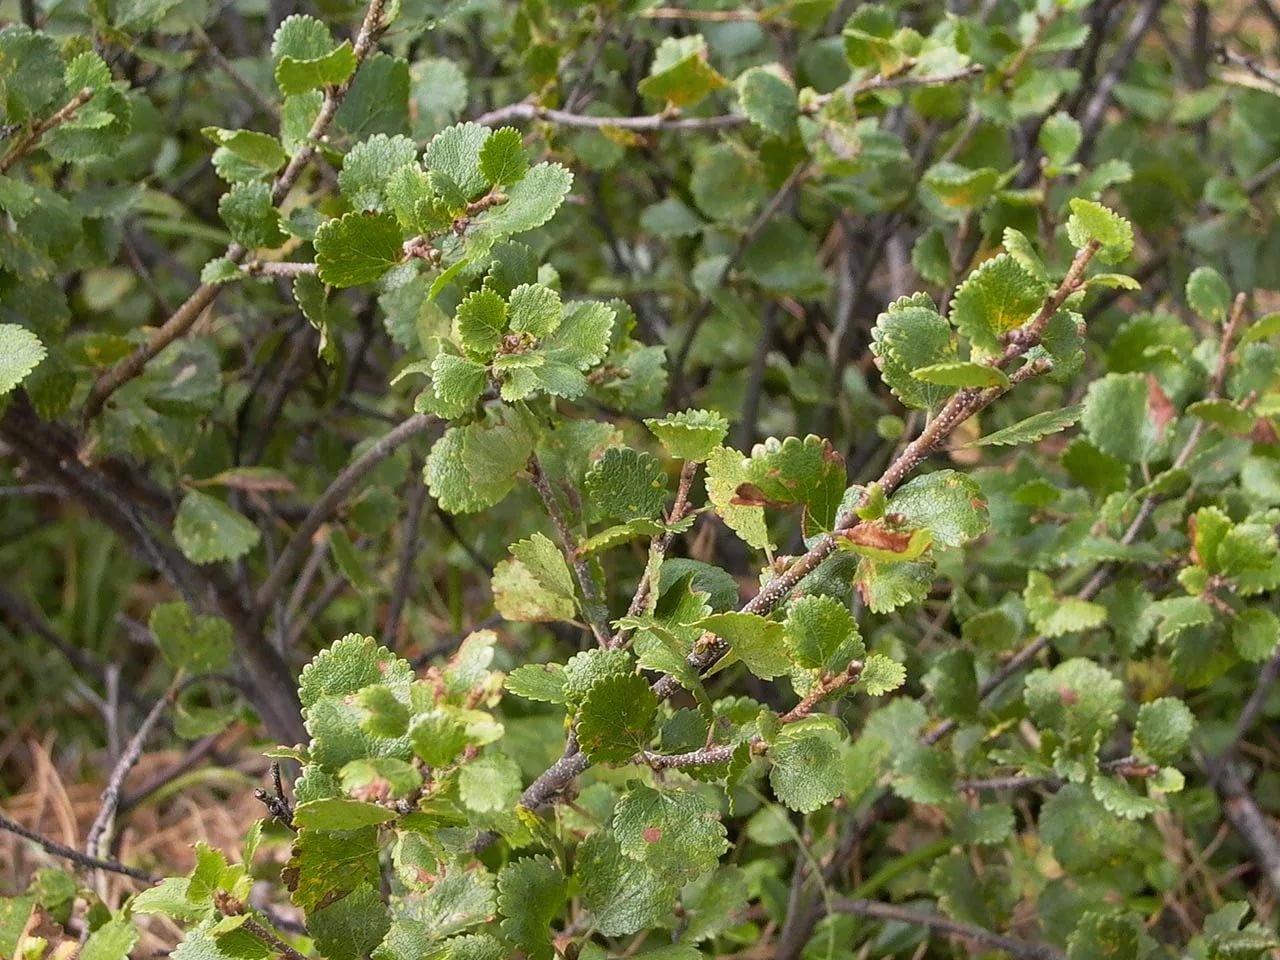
column 795, row 479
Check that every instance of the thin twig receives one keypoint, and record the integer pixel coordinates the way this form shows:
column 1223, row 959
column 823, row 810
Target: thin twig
column 417, row 500
column 593, row 606
column 28, row 142
column 100, row 831
column 277, row 268
column 75, row 856
column 887, row 911
column 671, row 120
column 202, row 298
column 1242, row 812
column 1227, row 55
column 229, row 906
column 660, row 546
column 330, row 500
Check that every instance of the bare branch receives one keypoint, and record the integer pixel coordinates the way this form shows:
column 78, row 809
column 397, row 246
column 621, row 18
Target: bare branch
column 75, row 856
column 417, row 500
column 295, row 550
column 887, row 911
column 100, row 831
column 593, row 604
column 671, row 120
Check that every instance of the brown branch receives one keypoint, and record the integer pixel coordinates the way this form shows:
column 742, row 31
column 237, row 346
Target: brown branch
column 295, row 550
column 417, row 500
column 887, row 911
column 75, row 856
column 1241, row 810
column 203, row 296
column 1124, row 766
column 229, row 906
column 100, row 831
column 660, row 546
column 277, row 268
column 671, row 120
column 28, row 142
column 593, row 604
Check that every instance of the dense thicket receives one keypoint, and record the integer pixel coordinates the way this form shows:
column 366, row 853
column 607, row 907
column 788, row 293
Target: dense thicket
column 789, row 480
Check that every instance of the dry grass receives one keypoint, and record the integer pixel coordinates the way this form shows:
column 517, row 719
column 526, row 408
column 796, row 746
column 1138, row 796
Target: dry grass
column 214, row 803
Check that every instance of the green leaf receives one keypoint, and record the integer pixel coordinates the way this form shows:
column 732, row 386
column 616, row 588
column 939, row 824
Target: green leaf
column 757, row 642
column 1264, row 327
column 1092, row 222
column 536, row 584
column 822, row 634
column 351, row 928
column 31, row 74
column 368, row 167
column 1163, row 730
column 911, row 335
column 727, row 470
column 480, row 322
column 111, row 941
column 258, row 149
column 954, row 191
column 306, row 57
column 324, row 867
column 335, row 813
column 1117, row 417
column 625, row 484
column 357, row 248
column 1054, row 615
column 808, row 472
column 768, row 99
column 438, row 737
column 1255, row 633
column 881, row 675
column 456, row 383
column 586, row 668
column 350, row 665
column 675, row 832
column 1060, row 137
column 377, row 100
column 490, row 784
column 208, row 531
column 502, row 157
column 251, row 217
column 623, row 895
column 455, row 153
column 20, row 352
column 1077, row 698
column 534, row 309
column 1033, row 428
column 544, row 682
column 681, row 74
column 1231, row 417
column 1109, row 934
column 530, row 203
column 807, row 772
column 998, row 297
column 615, row 721
column 691, row 435
column 946, row 503
column 962, row 373
column 195, row 644
column 1209, row 295
column 531, row 893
